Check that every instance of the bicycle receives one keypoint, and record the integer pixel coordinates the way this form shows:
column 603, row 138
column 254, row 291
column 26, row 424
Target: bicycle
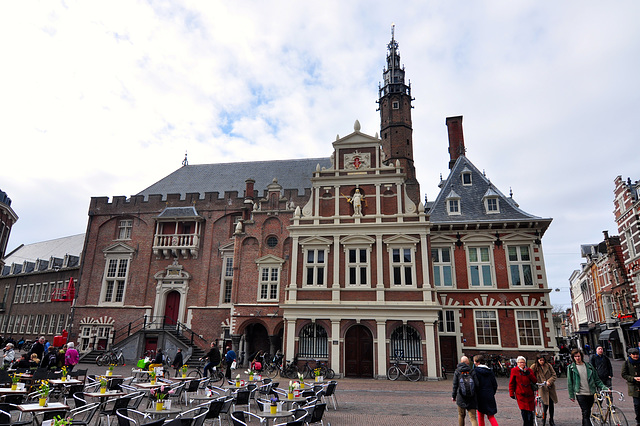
column 113, row 356
column 605, row 413
column 324, row 371
column 197, row 373
column 411, row 372
column 539, row 410
column 271, row 367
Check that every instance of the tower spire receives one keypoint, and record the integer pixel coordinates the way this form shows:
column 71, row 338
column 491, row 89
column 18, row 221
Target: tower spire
column 396, row 129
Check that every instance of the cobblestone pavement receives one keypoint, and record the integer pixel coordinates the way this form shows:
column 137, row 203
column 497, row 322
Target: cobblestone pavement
column 383, row 402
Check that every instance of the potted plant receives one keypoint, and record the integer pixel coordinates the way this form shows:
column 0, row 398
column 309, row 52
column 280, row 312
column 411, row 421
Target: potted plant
column 14, row 381
column 301, row 379
column 110, row 370
column 274, row 405
column 103, row 385
column 250, row 372
column 64, row 373
column 316, row 372
column 152, row 376
column 184, row 370
column 159, row 395
column 290, row 390
column 238, row 381
column 61, row 421
column 43, row 392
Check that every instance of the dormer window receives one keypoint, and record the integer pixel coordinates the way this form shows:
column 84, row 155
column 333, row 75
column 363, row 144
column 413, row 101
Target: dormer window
column 466, row 178
column 395, row 105
column 453, row 203
column 491, row 202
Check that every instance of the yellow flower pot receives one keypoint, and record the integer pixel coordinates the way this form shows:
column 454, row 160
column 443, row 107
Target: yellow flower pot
column 301, row 385
column 14, row 386
column 251, row 377
column 42, row 402
column 289, row 396
column 153, row 381
column 159, row 405
column 184, row 375
column 63, row 378
column 110, row 373
column 273, row 409
column 237, row 383
column 103, row 390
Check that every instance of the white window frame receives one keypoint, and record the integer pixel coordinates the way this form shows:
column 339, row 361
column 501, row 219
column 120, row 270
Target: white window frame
column 36, row 293
column 462, row 176
column 29, row 293
column 269, row 283
column 481, row 318
column 489, row 202
column 454, row 207
column 521, row 265
column 10, row 323
column 36, row 325
column 45, row 324
column 32, row 318
column 111, row 284
column 359, row 265
column 447, row 321
column 61, row 323
column 23, row 324
column 23, row 296
column 481, row 266
column 124, row 229
column 226, row 279
column 538, row 328
column 319, row 269
column 17, row 294
column 45, row 293
column 402, row 265
column 630, row 247
column 440, row 266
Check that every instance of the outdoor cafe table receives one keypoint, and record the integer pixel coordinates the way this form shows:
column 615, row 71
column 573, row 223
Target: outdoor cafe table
column 162, row 413
column 149, row 386
column 36, row 408
column 65, row 382
column 107, row 394
column 9, row 391
column 142, row 373
column 268, row 416
column 296, row 399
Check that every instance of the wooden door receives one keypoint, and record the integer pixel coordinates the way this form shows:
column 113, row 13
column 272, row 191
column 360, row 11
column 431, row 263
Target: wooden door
column 358, row 352
column 448, row 353
column 172, row 308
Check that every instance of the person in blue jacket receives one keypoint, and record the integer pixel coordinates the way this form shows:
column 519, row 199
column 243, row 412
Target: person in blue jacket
column 229, row 357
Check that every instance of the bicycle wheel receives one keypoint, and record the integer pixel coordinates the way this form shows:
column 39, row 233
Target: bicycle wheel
column 413, row 373
column 270, row 371
column 596, row 420
column 195, row 374
column 617, row 417
column 393, row 373
column 330, row 373
column 121, row 360
column 100, row 361
column 539, row 408
column 218, row 376
column 292, row 372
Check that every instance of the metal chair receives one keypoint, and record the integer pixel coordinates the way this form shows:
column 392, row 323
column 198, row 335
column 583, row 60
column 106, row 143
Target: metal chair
column 10, row 409
column 78, row 398
column 240, row 418
column 214, row 410
column 242, row 397
column 83, row 415
column 330, row 393
column 194, row 417
column 116, row 404
column 128, row 417
column 315, row 413
column 69, row 390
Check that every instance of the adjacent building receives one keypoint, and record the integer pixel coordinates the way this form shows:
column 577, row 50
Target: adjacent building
column 7, row 218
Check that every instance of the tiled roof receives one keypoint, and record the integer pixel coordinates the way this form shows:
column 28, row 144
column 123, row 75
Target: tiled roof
column 177, row 212
column 221, row 177
column 472, row 207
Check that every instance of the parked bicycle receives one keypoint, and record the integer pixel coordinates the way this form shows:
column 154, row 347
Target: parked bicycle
column 539, row 410
column 197, row 373
column 113, row 356
column 271, row 365
column 411, row 372
column 605, row 413
column 309, row 372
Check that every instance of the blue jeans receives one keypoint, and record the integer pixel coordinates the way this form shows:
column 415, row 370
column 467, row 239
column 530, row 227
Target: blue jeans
column 209, row 367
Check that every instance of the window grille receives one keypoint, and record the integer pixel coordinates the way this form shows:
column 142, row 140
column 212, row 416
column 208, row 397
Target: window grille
column 406, row 344
column 313, row 342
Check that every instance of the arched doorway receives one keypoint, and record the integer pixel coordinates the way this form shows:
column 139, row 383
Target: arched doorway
column 172, row 308
column 358, row 349
column 256, row 339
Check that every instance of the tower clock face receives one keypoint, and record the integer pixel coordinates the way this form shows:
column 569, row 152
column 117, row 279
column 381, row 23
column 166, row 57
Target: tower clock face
column 357, row 161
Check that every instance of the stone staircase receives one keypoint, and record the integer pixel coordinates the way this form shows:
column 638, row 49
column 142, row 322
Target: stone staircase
column 196, row 351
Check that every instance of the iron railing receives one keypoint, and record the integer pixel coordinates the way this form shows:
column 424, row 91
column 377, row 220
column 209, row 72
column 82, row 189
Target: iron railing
column 148, row 322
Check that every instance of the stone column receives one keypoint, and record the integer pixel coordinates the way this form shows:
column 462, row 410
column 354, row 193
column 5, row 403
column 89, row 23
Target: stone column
column 382, row 348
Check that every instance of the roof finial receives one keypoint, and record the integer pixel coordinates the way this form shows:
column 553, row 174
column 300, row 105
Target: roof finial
column 510, row 192
column 185, row 162
column 393, row 31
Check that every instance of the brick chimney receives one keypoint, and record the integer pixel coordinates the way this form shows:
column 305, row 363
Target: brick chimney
column 456, row 139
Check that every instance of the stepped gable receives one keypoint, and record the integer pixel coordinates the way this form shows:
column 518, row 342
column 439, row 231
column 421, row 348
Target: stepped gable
column 229, row 177
column 472, row 208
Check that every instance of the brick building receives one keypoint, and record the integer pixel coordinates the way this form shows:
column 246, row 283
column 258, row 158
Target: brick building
column 37, row 286
column 7, row 218
column 329, row 258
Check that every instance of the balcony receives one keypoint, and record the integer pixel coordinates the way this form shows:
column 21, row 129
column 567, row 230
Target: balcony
column 170, row 245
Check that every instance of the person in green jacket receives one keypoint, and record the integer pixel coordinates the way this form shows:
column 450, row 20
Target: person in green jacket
column 582, row 383
column 631, row 373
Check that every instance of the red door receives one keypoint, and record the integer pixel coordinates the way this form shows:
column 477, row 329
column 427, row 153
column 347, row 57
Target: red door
column 171, row 308
column 358, row 352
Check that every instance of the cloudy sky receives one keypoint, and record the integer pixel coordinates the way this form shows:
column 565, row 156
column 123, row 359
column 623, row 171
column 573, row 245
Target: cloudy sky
column 104, row 98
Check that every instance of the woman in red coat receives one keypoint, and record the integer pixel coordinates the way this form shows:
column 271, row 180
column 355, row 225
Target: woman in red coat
column 521, row 388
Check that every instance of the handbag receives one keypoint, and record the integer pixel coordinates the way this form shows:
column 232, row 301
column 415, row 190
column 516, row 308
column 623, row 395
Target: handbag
column 233, row 365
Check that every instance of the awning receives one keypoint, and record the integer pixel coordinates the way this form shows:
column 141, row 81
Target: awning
column 635, row 326
column 611, row 334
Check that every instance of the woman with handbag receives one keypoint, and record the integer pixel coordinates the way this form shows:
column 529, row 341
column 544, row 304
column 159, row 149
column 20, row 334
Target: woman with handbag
column 546, row 374
column 521, row 388
column 583, row 382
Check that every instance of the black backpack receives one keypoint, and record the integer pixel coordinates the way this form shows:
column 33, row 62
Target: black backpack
column 466, row 385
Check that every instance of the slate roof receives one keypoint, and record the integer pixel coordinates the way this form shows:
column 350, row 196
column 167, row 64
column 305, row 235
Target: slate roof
column 178, row 212
column 221, row 177
column 472, row 199
column 29, row 254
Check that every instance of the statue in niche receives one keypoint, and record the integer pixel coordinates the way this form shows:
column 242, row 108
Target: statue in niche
column 356, row 201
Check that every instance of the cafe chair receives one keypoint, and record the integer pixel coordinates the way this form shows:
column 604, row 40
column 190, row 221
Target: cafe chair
column 5, row 380
column 177, row 394
column 194, row 417
column 114, row 383
column 54, row 374
column 14, row 414
column 315, row 413
column 12, row 399
column 111, row 406
column 330, row 393
column 136, row 399
column 69, row 390
column 242, row 397
column 83, row 415
column 191, row 387
column 214, row 408
column 226, row 407
column 79, row 400
column 79, row 375
column 241, row 418
column 128, row 417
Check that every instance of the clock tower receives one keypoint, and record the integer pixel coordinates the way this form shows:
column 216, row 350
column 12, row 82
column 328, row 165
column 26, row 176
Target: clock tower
column 396, row 131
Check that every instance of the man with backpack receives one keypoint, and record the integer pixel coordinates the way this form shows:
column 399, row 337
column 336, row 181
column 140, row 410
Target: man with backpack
column 464, row 391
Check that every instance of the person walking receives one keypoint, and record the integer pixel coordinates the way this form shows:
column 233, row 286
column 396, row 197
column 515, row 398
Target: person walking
column 582, row 383
column 38, row 348
column 229, row 358
column 521, row 388
column 214, row 360
column 546, row 374
column 71, row 357
column 602, row 363
column 631, row 373
column 464, row 391
column 178, row 361
column 487, row 387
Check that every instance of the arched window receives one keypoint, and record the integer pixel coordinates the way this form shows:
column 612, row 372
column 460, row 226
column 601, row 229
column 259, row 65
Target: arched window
column 313, row 342
column 406, row 344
